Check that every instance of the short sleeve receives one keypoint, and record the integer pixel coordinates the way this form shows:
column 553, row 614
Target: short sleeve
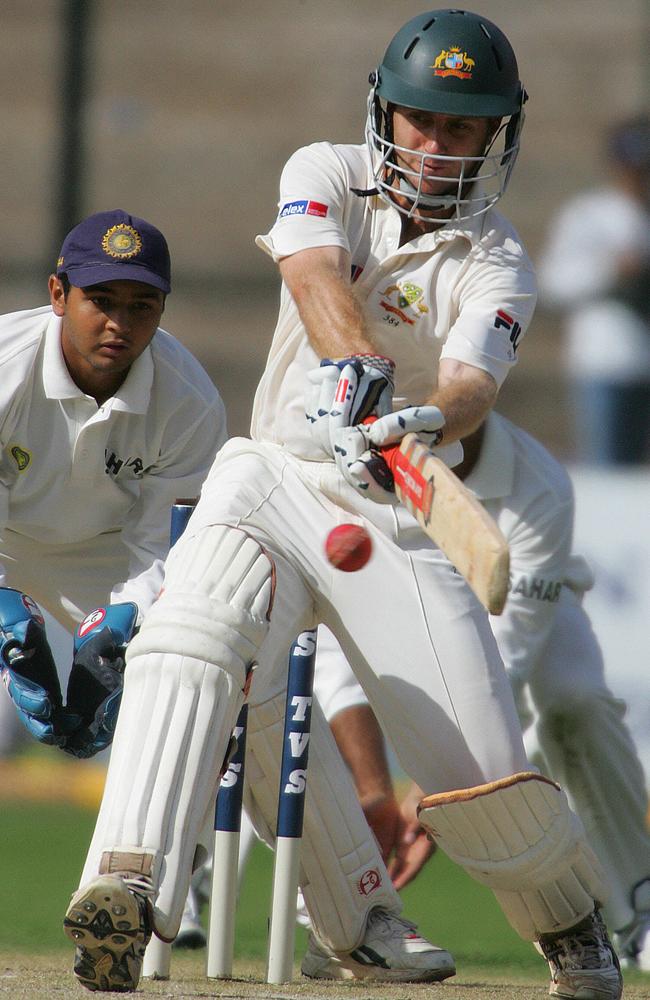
column 495, row 305
column 313, row 189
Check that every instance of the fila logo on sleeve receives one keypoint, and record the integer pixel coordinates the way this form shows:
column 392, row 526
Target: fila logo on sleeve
column 304, row 208
column 503, row 320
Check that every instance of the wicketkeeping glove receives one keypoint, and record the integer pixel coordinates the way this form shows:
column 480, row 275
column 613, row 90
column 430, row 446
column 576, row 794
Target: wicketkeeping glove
column 343, row 392
column 28, row 668
column 95, row 685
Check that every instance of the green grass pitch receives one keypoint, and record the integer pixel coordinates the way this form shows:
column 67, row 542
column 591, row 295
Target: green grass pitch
column 44, row 845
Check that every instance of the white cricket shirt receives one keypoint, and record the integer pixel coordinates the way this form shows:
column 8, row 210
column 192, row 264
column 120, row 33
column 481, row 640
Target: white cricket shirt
column 530, row 496
column 71, row 470
column 466, row 291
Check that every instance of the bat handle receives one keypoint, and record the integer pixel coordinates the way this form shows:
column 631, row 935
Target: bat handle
column 389, row 452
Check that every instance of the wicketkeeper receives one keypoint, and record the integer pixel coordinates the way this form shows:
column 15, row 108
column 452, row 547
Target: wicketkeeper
column 105, row 419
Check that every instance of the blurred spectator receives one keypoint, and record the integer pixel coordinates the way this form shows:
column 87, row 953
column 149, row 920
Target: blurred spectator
column 596, row 269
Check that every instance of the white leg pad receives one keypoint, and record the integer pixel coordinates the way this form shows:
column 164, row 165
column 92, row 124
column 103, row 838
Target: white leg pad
column 518, row 836
column 342, row 875
column 590, row 751
column 215, row 603
column 178, row 712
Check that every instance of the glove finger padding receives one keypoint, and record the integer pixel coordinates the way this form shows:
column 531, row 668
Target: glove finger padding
column 85, row 741
column 28, row 668
column 97, row 671
column 319, row 398
column 363, row 467
column 344, row 392
column 96, row 679
column 425, row 421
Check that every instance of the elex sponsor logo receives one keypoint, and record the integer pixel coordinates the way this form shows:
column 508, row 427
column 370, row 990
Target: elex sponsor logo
column 304, row 208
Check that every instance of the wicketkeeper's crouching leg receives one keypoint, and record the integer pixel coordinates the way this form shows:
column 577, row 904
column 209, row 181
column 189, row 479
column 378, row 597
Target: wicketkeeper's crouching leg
column 184, row 683
column 519, row 837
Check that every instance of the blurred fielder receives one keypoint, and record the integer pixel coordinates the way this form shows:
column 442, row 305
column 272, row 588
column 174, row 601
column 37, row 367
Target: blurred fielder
column 550, row 651
column 405, row 295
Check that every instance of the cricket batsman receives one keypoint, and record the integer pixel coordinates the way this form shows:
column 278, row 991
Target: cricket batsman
column 405, row 296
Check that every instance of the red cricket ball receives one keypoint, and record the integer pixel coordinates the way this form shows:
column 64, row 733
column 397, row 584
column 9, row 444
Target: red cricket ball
column 348, row 547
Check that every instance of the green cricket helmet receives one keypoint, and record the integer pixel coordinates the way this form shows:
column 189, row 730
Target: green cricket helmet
column 449, row 62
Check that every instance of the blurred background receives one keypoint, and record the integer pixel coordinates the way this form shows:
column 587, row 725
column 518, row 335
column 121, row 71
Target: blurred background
column 184, row 111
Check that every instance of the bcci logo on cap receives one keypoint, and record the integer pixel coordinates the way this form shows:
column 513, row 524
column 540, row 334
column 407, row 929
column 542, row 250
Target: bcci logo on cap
column 122, row 241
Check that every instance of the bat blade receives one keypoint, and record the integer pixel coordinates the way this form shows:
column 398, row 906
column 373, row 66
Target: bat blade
column 453, row 518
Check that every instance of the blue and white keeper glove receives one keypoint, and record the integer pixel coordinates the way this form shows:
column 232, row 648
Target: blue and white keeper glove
column 28, row 668
column 343, row 392
column 86, row 724
column 96, row 679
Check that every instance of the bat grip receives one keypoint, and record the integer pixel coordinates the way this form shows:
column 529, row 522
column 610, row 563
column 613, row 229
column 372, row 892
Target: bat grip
column 389, row 452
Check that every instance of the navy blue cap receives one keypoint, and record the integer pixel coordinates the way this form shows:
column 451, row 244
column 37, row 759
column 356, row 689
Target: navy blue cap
column 115, row 245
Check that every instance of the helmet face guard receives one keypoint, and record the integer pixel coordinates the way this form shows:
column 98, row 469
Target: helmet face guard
column 454, row 63
column 482, row 180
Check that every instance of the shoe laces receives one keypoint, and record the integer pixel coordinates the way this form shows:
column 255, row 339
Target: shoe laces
column 584, row 947
column 140, row 884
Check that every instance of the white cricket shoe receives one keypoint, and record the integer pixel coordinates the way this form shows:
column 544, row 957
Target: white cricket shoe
column 391, row 951
column 583, row 962
column 190, row 933
column 632, row 944
column 111, row 925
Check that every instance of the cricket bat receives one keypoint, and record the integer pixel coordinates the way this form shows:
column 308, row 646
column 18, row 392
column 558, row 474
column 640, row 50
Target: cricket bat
column 453, row 518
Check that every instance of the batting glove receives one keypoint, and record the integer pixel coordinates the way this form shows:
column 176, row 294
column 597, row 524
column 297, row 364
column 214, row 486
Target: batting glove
column 358, row 449
column 362, row 466
column 342, row 393
column 95, row 684
column 425, row 421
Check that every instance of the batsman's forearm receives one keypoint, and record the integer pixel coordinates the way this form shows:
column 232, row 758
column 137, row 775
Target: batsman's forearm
column 319, row 282
column 465, row 395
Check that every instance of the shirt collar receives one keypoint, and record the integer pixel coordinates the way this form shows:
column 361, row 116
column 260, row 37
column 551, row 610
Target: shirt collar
column 493, row 475
column 471, row 230
column 132, row 396
column 57, row 381
column 134, row 393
